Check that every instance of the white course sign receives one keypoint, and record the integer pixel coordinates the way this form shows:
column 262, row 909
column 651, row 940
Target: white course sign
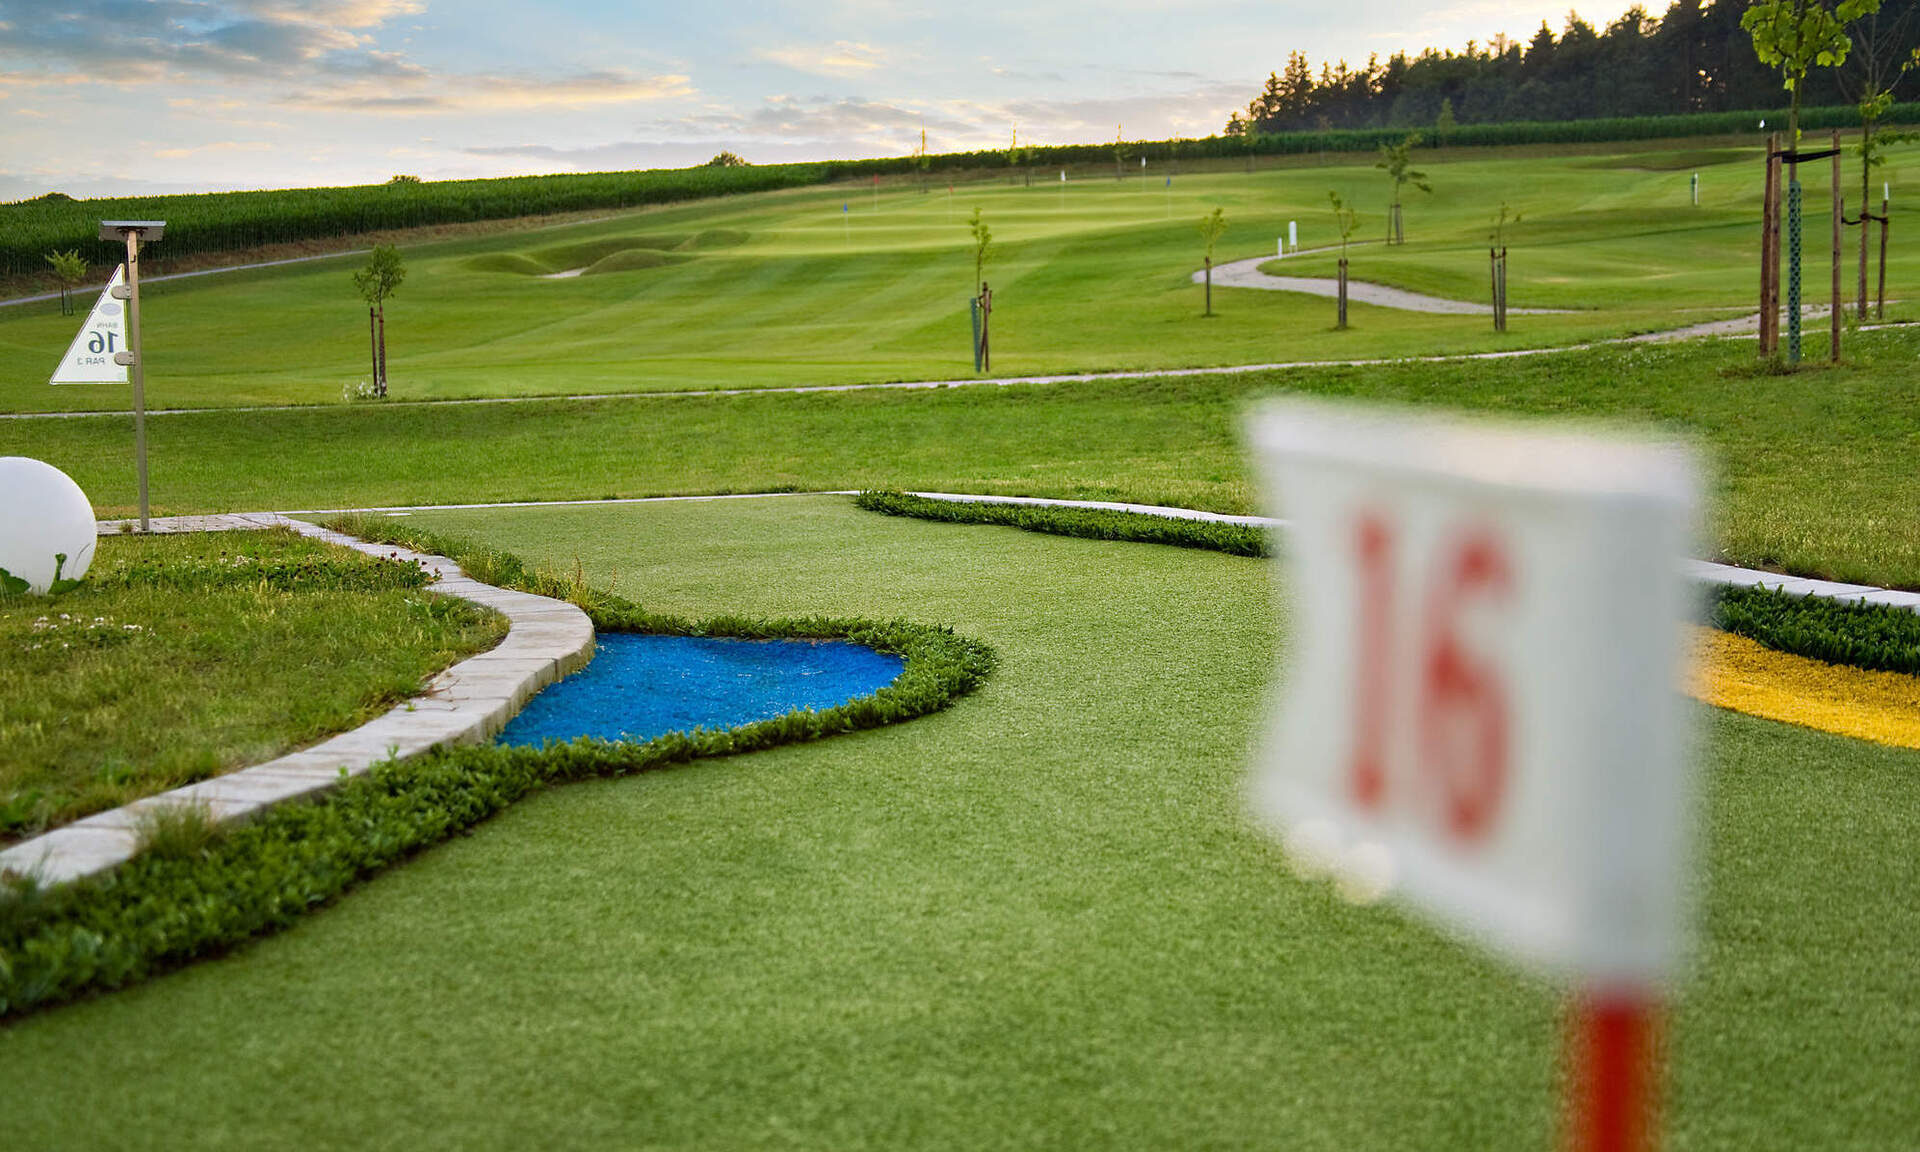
column 1483, row 712
column 90, row 358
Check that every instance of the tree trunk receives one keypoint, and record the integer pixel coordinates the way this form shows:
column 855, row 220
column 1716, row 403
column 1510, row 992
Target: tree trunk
column 1343, row 294
column 1839, row 225
column 1209, row 285
column 373, row 346
column 381, row 387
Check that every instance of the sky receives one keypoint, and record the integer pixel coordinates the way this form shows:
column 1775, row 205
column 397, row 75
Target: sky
column 106, row 97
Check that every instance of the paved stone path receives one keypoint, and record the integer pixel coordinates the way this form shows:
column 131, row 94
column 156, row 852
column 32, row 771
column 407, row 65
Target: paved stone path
column 467, row 704
column 1246, row 274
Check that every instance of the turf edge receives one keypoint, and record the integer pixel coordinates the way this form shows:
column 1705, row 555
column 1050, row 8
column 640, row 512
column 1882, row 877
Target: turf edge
column 1875, row 637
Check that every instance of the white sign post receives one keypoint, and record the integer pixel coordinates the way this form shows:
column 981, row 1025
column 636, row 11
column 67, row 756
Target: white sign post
column 1483, row 710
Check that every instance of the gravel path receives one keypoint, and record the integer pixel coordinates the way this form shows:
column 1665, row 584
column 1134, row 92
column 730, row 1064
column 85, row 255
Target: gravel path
column 1246, row 274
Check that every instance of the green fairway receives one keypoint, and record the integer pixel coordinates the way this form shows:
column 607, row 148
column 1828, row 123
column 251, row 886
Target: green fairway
column 1038, row 919
column 785, row 288
column 1814, row 471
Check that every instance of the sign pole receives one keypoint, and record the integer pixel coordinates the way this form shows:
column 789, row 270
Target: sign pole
column 139, row 369
column 1612, row 1093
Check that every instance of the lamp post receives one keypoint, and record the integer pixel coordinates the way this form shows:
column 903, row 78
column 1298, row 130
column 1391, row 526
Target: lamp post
column 133, row 232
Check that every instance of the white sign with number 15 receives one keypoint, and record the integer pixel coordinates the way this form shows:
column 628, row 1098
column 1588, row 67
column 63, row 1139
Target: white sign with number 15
column 1483, row 703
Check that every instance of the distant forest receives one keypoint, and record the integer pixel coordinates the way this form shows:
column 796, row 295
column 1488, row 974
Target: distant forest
column 1696, row 58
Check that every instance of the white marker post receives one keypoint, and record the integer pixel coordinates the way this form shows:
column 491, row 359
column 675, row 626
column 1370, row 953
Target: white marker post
column 1483, row 711
column 1293, row 235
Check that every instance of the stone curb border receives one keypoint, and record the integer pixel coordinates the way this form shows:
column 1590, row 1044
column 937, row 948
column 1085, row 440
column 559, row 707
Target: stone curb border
column 466, row 704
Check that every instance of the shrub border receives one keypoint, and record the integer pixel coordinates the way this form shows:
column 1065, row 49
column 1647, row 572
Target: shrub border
column 1871, row 637
column 1084, row 523
column 161, row 909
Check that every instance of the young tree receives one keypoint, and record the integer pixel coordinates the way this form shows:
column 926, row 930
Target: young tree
column 1794, row 36
column 1212, row 227
column 69, row 268
column 1443, row 123
column 982, row 304
column 1879, row 60
column 1120, row 151
column 1345, row 220
column 376, row 282
column 982, row 244
column 1397, row 161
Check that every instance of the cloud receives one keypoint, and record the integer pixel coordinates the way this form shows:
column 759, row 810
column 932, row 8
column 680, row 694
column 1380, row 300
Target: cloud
column 418, row 94
column 841, row 58
column 789, row 128
column 118, row 41
column 218, row 146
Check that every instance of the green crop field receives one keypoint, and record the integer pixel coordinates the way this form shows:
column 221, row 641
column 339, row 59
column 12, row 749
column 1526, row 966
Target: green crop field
column 785, row 288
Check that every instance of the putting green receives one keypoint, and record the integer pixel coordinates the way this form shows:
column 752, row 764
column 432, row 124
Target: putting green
column 1037, row 919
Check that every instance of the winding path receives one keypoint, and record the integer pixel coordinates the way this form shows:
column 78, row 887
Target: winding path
column 1246, row 274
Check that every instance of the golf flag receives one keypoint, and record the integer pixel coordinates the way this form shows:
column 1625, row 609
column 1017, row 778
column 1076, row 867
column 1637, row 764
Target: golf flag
column 91, row 357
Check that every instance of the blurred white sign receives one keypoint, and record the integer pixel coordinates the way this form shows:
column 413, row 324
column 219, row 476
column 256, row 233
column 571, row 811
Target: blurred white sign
column 1483, row 713
column 90, row 358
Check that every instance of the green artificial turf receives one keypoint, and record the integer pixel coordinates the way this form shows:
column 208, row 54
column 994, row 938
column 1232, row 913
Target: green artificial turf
column 1811, row 472
column 182, row 657
column 1037, row 919
column 784, row 288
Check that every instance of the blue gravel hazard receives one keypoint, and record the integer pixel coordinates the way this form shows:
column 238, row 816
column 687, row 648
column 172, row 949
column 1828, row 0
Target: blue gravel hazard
column 638, row 687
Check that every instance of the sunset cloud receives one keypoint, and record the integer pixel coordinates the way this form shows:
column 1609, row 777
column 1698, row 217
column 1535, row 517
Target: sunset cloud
column 841, row 58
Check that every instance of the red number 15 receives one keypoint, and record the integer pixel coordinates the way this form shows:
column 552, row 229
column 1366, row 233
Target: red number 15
column 1460, row 718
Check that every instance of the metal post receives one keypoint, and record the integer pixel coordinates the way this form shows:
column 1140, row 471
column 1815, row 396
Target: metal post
column 1880, row 300
column 139, row 369
column 1839, row 214
column 1503, row 288
column 1793, row 265
column 1770, row 252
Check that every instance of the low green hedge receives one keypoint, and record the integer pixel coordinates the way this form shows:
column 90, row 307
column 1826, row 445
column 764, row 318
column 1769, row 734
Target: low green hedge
column 1871, row 636
column 165, row 908
column 1086, row 523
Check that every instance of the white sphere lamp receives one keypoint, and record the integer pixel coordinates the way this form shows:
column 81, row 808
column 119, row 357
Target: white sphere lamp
column 43, row 516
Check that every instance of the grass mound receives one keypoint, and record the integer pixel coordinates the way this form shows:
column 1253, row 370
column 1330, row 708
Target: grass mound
column 1675, row 160
column 716, row 238
column 632, row 260
column 513, row 263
